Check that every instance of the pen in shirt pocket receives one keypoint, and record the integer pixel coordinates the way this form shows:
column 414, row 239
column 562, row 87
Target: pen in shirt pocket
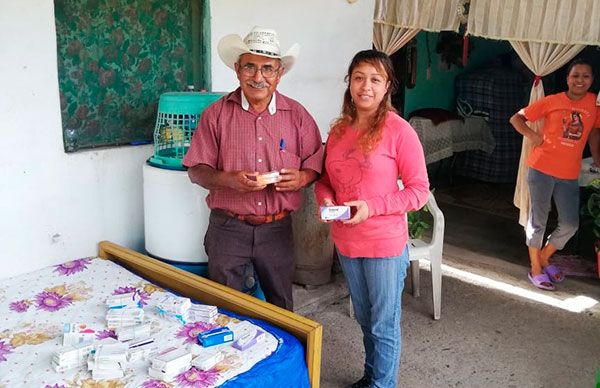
column 282, row 144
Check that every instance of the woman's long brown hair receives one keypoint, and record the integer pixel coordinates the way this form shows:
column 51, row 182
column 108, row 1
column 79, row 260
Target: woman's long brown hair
column 369, row 138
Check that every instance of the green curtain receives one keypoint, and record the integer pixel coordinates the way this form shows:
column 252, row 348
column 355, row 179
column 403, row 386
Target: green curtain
column 115, row 59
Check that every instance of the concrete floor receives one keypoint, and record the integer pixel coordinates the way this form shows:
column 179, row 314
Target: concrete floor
column 496, row 330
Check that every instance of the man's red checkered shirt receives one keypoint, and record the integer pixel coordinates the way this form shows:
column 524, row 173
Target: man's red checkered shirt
column 229, row 138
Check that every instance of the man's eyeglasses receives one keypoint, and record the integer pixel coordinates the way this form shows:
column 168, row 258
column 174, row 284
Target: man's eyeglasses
column 267, row 71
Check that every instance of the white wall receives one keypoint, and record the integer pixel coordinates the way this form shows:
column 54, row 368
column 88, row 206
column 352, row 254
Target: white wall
column 329, row 32
column 56, row 206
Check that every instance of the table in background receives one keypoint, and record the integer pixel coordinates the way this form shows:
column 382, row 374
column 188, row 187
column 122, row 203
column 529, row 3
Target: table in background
column 585, row 175
column 582, row 243
column 445, row 139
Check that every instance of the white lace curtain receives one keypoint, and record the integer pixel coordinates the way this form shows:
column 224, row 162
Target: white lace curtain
column 565, row 22
column 390, row 39
column 396, row 22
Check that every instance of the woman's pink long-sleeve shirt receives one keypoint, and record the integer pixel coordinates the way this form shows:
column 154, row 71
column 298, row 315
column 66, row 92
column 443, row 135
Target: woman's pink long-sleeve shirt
column 352, row 175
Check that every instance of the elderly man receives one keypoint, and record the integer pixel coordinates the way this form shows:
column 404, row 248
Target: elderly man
column 254, row 149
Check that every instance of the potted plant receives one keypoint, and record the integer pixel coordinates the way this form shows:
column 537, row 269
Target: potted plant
column 590, row 210
column 416, row 225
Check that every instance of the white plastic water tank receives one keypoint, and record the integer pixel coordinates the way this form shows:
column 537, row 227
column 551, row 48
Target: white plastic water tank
column 175, row 215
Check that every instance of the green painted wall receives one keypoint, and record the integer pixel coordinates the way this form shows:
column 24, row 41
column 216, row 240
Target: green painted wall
column 438, row 92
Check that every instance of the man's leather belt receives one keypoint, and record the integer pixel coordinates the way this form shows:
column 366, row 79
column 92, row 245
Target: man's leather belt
column 258, row 220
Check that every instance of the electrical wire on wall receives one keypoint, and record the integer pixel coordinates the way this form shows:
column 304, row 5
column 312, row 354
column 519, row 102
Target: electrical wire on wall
column 411, row 64
column 428, row 56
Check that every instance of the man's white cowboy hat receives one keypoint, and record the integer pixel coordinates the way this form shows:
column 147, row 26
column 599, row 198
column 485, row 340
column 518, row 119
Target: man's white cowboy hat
column 259, row 41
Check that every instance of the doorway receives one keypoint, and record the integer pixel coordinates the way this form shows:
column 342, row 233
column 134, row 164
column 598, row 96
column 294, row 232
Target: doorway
column 479, row 211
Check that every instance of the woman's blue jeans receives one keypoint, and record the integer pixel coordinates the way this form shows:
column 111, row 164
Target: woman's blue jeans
column 542, row 188
column 376, row 286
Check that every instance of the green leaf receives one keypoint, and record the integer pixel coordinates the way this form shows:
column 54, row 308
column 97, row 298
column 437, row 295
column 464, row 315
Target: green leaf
column 416, row 226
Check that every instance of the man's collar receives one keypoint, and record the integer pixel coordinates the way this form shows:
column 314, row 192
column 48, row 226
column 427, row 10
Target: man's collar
column 272, row 105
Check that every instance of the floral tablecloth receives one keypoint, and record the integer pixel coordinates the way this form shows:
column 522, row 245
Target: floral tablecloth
column 34, row 306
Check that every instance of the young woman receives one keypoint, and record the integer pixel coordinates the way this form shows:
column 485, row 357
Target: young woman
column 369, row 148
column 554, row 165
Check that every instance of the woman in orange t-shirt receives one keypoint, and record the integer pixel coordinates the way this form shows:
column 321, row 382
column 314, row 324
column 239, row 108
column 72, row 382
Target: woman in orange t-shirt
column 554, row 163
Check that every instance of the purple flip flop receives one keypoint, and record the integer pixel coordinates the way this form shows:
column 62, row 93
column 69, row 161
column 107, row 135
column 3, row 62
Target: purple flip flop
column 541, row 281
column 555, row 275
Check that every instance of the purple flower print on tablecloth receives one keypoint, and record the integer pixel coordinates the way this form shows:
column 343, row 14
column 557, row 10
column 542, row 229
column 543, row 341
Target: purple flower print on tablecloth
column 71, row 267
column 142, row 295
column 198, row 379
column 155, row 384
column 20, row 306
column 5, row 349
column 51, row 301
column 106, row 334
column 190, row 331
column 55, row 386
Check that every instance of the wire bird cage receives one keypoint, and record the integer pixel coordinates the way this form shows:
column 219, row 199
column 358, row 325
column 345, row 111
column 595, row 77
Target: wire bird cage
column 178, row 115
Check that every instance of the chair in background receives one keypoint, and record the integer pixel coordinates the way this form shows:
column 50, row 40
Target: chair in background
column 431, row 251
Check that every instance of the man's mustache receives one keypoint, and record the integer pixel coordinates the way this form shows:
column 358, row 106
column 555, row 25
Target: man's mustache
column 258, row 85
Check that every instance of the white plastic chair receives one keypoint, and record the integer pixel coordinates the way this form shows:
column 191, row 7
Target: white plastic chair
column 432, row 251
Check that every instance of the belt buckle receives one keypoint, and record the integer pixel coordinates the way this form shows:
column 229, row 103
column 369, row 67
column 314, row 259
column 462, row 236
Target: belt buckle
column 256, row 220
column 261, row 220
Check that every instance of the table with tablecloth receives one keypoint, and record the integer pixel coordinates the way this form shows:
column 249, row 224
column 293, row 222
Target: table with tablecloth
column 587, row 173
column 449, row 137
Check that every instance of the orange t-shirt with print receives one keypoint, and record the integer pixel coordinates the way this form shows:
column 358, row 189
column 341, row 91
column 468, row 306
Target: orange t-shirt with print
column 567, row 124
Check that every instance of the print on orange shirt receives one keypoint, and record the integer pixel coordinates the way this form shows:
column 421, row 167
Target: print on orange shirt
column 573, row 126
